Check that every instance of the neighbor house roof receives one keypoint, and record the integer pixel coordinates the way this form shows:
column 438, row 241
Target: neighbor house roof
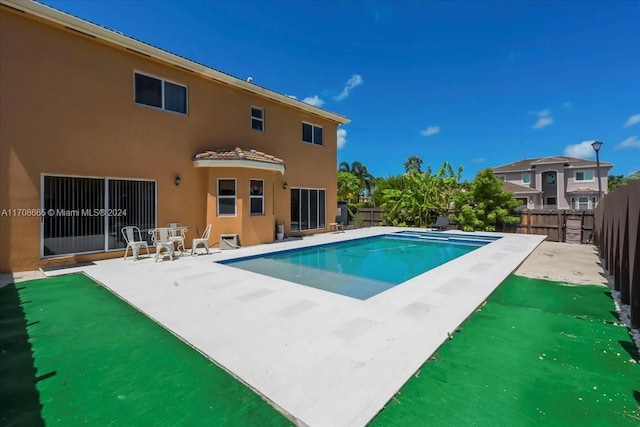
column 530, row 164
column 95, row 31
column 518, row 189
column 238, row 158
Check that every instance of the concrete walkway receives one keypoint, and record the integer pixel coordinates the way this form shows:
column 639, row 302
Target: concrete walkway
column 564, row 262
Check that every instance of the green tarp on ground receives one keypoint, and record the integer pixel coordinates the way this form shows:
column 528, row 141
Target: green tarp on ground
column 538, row 353
column 71, row 353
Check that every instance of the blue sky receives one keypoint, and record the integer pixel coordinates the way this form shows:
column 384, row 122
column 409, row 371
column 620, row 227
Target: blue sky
column 475, row 83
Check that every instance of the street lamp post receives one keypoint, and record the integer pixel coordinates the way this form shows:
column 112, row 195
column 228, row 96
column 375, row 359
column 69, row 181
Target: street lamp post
column 597, row 145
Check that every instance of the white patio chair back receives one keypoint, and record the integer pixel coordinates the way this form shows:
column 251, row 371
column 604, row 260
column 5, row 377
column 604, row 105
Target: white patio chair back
column 177, row 234
column 133, row 238
column 204, row 241
column 161, row 238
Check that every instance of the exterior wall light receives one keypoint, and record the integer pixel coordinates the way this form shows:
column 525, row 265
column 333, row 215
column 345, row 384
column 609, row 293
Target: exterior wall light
column 285, row 186
column 177, row 180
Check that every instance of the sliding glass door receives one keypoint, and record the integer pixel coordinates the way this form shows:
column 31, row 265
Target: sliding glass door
column 84, row 215
column 308, row 209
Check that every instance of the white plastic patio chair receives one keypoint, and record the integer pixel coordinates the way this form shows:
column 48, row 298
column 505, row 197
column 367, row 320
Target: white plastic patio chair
column 177, row 235
column 133, row 237
column 204, row 240
column 161, row 238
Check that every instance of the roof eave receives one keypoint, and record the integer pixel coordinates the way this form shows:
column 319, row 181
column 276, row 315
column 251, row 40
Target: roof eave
column 249, row 164
column 50, row 14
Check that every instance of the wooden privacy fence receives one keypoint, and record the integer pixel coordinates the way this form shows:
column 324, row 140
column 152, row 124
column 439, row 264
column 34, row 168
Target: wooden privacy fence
column 558, row 226
column 617, row 223
column 372, row 217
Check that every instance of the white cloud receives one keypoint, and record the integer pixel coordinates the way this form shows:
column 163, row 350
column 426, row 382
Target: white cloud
column 291, row 96
column 631, row 142
column 314, row 100
column 478, row 160
column 342, row 138
column 567, row 106
column 582, row 151
column 355, row 80
column 431, row 130
column 544, row 119
column 633, row 120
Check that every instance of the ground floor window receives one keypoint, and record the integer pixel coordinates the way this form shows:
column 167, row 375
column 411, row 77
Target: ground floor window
column 583, row 203
column 256, row 195
column 83, row 215
column 308, row 209
column 227, row 197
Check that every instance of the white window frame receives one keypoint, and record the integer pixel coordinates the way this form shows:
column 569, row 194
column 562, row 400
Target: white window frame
column 253, row 197
column 259, row 119
column 528, row 180
column 313, row 134
column 502, row 178
column 575, row 177
column 585, row 201
column 186, row 89
column 234, row 197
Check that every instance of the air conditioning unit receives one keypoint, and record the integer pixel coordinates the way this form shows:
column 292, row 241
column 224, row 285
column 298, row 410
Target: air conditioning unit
column 229, row 241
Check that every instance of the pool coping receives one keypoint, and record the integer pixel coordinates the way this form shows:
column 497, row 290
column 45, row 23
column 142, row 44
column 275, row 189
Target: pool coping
column 321, row 358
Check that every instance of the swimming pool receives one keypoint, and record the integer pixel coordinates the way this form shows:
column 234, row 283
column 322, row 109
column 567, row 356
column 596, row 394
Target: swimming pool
column 365, row 267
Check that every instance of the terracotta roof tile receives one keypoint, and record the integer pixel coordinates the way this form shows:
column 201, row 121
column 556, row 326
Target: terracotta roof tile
column 238, row 153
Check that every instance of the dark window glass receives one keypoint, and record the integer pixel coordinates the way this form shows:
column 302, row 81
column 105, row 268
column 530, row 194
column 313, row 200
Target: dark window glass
column 175, row 98
column 321, row 209
column 256, row 192
column 313, row 209
column 148, row 91
column 256, row 206
column 131, row 203
column 226, row 187
column 317, row 135
column 256, row 124
column 307, row 132
column 256, row 113
column 304, row 209
column 295, row 209
column 227, row 206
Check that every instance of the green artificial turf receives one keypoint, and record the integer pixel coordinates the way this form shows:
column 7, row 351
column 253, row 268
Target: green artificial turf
column 538, row 353
column 72, row 353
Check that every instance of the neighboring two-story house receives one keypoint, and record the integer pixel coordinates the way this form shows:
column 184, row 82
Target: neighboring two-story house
column 98, row 131
column 555, row 182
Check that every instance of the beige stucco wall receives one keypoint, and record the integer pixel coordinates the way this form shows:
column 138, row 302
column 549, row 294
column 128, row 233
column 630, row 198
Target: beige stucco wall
column 67, row 107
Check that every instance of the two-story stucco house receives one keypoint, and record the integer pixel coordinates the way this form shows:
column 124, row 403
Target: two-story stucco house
column 555, row 182
column 99, row 130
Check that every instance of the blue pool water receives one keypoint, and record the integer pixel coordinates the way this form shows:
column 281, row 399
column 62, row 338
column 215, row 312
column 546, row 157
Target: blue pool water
column 364, row 267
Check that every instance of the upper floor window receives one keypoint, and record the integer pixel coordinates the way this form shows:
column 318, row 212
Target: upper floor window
column 226, row 197
column 256, row 194
column 257, row 119
column 551, row 179
column 526, row 178
column 159, row 93
column 311, row 133
column 502, row 178
column 584, row 176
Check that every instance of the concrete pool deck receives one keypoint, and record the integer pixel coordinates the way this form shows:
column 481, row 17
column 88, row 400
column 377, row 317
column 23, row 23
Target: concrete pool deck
column 323, row 359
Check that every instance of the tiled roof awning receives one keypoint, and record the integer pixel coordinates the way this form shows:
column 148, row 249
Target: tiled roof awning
column 238, row 158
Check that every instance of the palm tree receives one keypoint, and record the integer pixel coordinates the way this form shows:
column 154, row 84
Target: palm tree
column 367, row 181
column 413, row 163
